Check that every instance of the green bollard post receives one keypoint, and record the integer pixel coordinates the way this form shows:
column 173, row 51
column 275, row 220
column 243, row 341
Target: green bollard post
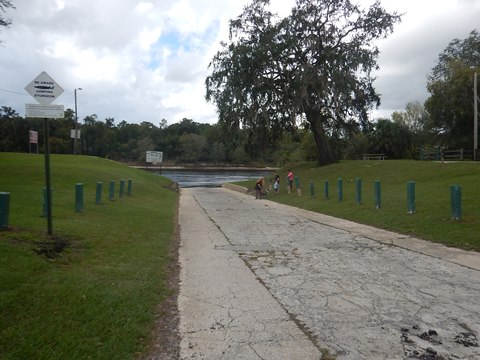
column 297, row 182
column 325, row 190
column 79, row 197
column 121, row 192
column 378, row 194
column 129, row 187
column 411, row 197
column 98, row 193
column 4, row 209
column 312, row 189
column 456, row 202
column 358, row 191
column 45, row 201
column 452, row 201
column 297, row 185
column 111, row 192
column 340, row 189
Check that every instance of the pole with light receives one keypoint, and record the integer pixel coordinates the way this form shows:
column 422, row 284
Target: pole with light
column 76, row 124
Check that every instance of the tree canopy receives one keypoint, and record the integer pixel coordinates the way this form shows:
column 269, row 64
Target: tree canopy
column 450, row 84
column 313, row 65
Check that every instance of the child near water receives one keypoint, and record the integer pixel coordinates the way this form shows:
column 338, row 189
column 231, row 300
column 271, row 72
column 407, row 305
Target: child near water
column 276, row 186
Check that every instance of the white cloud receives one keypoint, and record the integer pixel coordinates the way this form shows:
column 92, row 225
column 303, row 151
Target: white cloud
column 144, row 7
column 148, row 37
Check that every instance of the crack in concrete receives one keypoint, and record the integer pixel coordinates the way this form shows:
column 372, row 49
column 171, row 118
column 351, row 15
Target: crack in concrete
column 231, row 323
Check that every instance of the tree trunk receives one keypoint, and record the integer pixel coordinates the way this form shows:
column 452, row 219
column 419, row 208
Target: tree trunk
column 324, row 154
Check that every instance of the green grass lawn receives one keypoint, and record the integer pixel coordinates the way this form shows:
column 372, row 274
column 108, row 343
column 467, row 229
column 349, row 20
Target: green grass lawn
column 97, row 298
column 432, row 220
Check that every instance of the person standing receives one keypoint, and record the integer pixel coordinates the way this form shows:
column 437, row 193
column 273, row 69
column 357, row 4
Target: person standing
column 259, row 184
column 290, row 180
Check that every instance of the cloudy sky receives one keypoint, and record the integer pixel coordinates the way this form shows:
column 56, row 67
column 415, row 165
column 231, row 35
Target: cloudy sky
column 147, row 60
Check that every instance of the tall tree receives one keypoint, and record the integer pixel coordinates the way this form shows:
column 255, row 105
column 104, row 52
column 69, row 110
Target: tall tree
column 417, row 120
column 8, row 130
column 192, row 146
column 450, row 84
column 392, row 138
column 466, row 51
column 315, row 63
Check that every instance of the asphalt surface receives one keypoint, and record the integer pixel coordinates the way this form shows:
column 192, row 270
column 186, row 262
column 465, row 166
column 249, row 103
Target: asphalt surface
column 261, row 280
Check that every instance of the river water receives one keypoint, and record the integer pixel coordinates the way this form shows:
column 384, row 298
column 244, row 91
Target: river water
column 212, row 178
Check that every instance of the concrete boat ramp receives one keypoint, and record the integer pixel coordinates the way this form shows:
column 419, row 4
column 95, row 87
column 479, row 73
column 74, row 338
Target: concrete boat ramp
column 261, row 280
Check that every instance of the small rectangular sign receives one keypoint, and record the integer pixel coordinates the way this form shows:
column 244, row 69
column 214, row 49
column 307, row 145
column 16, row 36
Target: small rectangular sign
column 73, row 135
column 154, row 156
column 44, row 111
column 33, row 137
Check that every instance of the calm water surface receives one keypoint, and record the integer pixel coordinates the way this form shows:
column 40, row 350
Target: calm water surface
column 213, row 178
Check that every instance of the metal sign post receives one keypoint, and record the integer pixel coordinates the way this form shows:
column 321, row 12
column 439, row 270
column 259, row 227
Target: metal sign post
column 45, row 90
column 48, row 185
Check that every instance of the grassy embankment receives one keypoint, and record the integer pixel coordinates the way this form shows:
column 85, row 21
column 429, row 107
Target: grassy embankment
column 96, row 299
column 432, row 220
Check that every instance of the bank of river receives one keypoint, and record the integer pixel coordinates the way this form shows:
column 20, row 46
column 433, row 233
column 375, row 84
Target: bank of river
column 212, row 177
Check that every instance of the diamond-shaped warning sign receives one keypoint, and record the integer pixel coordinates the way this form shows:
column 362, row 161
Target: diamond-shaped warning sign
column 44, row 89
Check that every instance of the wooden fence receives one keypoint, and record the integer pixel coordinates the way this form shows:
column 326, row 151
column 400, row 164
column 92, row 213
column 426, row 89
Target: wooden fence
column 445, row 155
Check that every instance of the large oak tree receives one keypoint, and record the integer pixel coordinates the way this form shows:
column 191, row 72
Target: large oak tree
column 315, row 64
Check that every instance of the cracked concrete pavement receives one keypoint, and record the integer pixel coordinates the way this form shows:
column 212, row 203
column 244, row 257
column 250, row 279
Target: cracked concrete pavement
column 261, row 280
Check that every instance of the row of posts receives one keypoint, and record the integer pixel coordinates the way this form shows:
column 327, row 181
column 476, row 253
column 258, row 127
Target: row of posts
column 98, row 194
column 358, row 190
column 455, row 195
column 79, row 203
column 99, row 191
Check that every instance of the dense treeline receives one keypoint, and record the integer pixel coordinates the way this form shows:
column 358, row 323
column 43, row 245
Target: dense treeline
column 187, row 141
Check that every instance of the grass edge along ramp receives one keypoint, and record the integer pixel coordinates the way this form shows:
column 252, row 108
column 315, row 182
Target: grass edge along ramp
column 96, row 297
column 432, row 220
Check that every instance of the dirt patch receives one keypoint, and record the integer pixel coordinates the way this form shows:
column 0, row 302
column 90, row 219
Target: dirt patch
column 466, row 339
column 421, row 350
column 49, row 246
column 165, row 344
